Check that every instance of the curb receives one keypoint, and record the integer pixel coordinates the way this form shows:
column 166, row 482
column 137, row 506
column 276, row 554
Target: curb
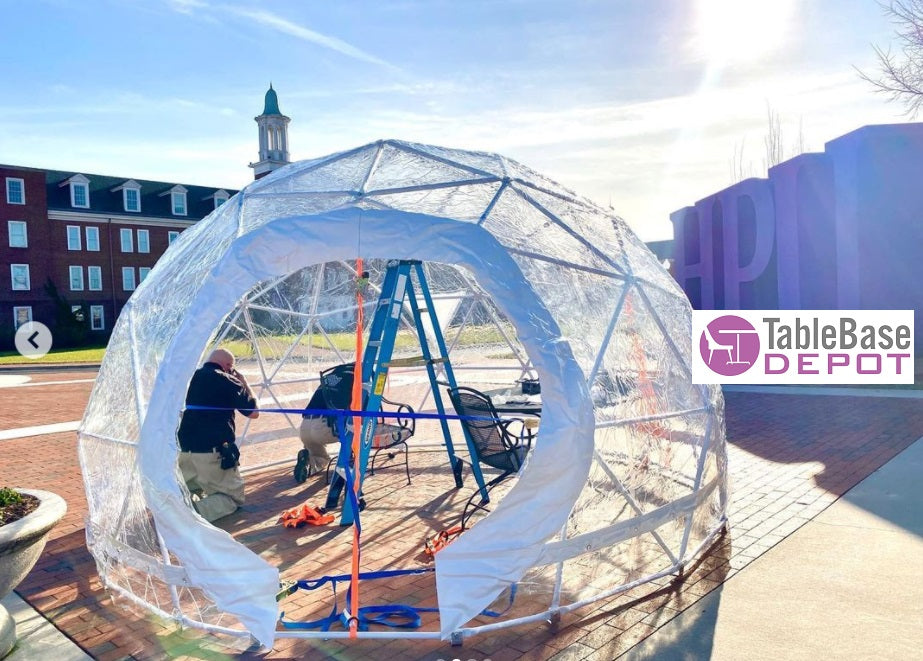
column 50, row 367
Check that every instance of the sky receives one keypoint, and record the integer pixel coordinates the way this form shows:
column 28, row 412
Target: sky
column 644, row 106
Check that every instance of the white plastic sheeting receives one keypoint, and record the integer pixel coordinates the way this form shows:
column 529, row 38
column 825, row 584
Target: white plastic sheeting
column 629, row 470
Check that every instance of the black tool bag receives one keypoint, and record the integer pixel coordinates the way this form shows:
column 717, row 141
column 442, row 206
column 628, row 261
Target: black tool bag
column 230, row 454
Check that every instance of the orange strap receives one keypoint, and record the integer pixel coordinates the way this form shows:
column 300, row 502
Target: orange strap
column 356, row 405
column 305, row 514
column 441, row 539
column 645, row 386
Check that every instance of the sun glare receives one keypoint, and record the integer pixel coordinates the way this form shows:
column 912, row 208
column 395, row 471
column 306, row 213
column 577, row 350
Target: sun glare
column 729, row 31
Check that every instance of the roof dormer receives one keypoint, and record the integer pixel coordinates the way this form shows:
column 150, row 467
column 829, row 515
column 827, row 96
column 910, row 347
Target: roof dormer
column 79, row 189
column 131, row 195
column 177, row 200
column 220, row 196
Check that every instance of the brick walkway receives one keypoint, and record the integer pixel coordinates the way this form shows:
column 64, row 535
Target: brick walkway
column 790, row 457
column 42, row 405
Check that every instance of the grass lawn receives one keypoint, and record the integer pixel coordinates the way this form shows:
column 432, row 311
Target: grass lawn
column 243, row 349
column 346, row 341
column 89, row 355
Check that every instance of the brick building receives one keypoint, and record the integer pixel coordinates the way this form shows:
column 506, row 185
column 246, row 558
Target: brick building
column 95, row 238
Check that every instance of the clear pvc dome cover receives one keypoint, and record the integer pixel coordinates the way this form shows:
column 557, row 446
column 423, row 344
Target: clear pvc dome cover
column 628, row 471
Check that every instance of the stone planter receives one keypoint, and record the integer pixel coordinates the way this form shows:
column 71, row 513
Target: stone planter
column 21, row 543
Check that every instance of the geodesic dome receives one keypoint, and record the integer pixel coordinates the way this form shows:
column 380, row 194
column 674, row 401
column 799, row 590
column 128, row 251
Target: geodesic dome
column 626, row 481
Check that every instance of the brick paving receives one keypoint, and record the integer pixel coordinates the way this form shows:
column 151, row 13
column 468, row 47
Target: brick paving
column 44, row 405
column 790, row 456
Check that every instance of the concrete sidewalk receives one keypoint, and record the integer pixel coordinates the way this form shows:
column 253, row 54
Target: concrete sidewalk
column 37, row 638
column 846, row 585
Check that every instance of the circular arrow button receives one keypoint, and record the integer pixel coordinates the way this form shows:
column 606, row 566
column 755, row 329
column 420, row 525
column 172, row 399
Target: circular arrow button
column 33, row 339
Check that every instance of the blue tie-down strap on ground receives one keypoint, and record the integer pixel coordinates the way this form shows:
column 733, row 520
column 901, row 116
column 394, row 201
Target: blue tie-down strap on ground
column 397, row 616
column 401, row 616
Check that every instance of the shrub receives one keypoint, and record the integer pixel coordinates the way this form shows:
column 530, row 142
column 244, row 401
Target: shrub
column 9, row 496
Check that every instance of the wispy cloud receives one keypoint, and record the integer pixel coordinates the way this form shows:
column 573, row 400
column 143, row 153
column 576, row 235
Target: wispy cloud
column 186, row 6
column 285, row 26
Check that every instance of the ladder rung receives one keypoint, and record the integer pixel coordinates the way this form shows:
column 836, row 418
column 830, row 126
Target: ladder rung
column 414, row 361
column 424, row 310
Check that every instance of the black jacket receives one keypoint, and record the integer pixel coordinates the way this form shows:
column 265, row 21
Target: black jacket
column 203, row 430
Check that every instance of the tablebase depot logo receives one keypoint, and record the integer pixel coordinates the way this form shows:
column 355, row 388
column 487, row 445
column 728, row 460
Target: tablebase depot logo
column 869, row 347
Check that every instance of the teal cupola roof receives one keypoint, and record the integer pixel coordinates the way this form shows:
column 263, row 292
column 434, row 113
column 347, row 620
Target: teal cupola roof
column 273, row 127
column 271, row 105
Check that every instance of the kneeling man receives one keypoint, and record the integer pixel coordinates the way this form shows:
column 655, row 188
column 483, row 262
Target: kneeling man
column 208, row 457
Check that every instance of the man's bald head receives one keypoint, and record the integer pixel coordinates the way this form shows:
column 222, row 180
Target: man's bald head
column 222, row 357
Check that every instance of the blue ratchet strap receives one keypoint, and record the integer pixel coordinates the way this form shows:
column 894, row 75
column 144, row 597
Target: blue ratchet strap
column 323, row 623
column 490, row 613
column 313, row 584
column 391, row 614
column 398, row 616
column 348, row 413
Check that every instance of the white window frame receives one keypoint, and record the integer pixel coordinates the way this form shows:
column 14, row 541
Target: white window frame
column 181, row 197
column 172, row 236
column 102, row 317
column 221, row 197
column 143, row 272
column 137, row 192
column 128, row 278
column 75, row 309
column 98, row 270
column 71, row 271
column 86, row 193
column 73, row 238
column 25, row 232
column 144, row 246
column 22, row 190
column 126, row 238
column 13, row 286
column 16, row 309
column 94, row 232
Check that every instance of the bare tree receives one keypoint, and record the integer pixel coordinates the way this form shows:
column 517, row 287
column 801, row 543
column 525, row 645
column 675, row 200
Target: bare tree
column 774, row 144
column 775, row 152
column 739, row 169
column 901, row 75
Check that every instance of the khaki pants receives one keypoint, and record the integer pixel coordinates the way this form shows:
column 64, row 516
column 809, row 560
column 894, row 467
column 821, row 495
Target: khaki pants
column 220, row 492
column 315, row 435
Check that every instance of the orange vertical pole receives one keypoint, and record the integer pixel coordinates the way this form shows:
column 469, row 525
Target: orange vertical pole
column 356, row 405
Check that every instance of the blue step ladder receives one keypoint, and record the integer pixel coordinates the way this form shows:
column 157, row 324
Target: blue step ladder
column 398, row 287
